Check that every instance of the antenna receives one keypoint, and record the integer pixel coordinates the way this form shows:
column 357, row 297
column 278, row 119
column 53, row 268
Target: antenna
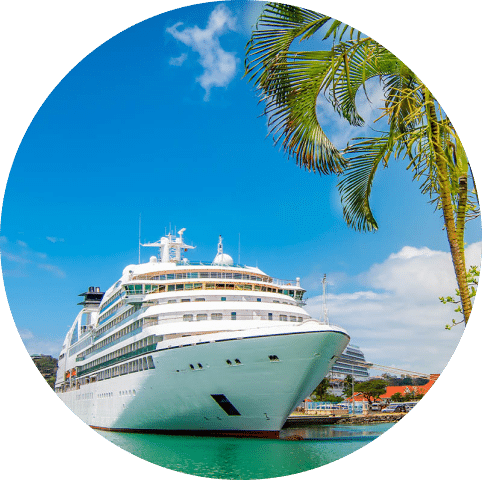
column 324, row 310
column 139, row 238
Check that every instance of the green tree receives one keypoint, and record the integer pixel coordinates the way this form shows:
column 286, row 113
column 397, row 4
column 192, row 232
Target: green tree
column 473, row 274
column 416, row 128
column 332, row 398
column 348, row 386
column 372, row 389
column 396, row 397
column 320, row 390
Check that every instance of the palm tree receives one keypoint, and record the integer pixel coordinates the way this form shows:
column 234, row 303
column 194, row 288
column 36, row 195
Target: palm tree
column 416, row 128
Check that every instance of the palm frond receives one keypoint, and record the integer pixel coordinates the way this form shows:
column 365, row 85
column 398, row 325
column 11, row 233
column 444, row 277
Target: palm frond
column 365, row 156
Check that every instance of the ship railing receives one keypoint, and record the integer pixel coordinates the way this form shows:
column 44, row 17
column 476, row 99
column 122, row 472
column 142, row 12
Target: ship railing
column 193, row 317
column 280, row 282
column 207, row 264
column 231, row 276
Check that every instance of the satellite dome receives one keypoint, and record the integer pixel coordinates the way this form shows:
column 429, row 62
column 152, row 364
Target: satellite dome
column 222, row 258
column 153, row 259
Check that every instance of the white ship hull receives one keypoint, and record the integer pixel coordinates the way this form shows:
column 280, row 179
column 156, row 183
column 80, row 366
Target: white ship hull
column 174, row 398
column 194, row 348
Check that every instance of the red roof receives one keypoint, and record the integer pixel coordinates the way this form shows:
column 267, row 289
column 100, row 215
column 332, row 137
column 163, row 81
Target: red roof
column 403, row 389
column 419, row 390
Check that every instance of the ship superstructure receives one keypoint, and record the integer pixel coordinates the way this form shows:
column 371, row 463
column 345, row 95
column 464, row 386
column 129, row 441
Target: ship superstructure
column 194, row 347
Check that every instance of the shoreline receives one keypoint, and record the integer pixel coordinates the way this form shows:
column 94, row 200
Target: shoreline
column 298, row 420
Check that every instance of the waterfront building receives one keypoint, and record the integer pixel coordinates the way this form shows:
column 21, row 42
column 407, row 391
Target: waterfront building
column 412, row 389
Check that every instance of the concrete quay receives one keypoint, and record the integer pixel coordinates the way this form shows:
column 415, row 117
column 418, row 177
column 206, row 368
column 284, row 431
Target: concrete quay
column 299, row 420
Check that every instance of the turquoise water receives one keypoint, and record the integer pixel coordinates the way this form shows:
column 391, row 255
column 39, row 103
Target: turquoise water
column 249, row 458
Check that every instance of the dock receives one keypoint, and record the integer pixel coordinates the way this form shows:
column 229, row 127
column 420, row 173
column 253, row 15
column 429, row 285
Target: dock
column 300, row 420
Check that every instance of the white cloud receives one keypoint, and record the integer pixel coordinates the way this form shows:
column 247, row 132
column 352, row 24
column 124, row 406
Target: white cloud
column 24, row 257
column 178, row 61
column 54, row 239
column 15, row 258
column 398, row 320
column 219, row 65
column 44, row 346
column 58, row 272
column 337, row 128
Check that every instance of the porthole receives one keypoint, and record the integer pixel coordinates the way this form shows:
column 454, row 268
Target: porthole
column 229, row 362
column 238, row 361
column 191, row 366
column 199, row 365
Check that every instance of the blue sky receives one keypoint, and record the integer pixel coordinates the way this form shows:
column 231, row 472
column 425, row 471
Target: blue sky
column 159, row 121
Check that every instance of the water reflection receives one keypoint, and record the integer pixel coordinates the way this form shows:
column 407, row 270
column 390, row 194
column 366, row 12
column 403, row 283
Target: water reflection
column 249, row 458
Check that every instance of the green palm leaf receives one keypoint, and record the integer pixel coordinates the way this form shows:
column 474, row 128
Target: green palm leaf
column 365, row 157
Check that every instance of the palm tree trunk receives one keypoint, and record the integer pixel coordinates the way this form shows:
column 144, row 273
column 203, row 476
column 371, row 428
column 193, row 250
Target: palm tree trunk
column 461, row 212
column 456, row 250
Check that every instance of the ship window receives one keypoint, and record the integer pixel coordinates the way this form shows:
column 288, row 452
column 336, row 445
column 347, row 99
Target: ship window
column 199, row 299
column 258, row 299
column 300, row 319
column 223, row 299
column 170, row 288
column 216, row 316
column 170, row 276
column 292, row 319
column 180, row 286
column 233, row 315
column 270, row 316
column 172, row 300
column 198, row 286
column 150, row 362
column 257, row 288
column 209, row 286
column 283, row 318
column 201, row 316
column 188, row 286
column 220, row 286
column 187, row 318
column 230, row 286
column 138, row 288
column 184, row 300
column 248, row 287
column 263, row 289
column 204, row 275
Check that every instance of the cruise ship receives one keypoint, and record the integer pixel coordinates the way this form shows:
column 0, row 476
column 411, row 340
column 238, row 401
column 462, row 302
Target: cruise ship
column 194, row 348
